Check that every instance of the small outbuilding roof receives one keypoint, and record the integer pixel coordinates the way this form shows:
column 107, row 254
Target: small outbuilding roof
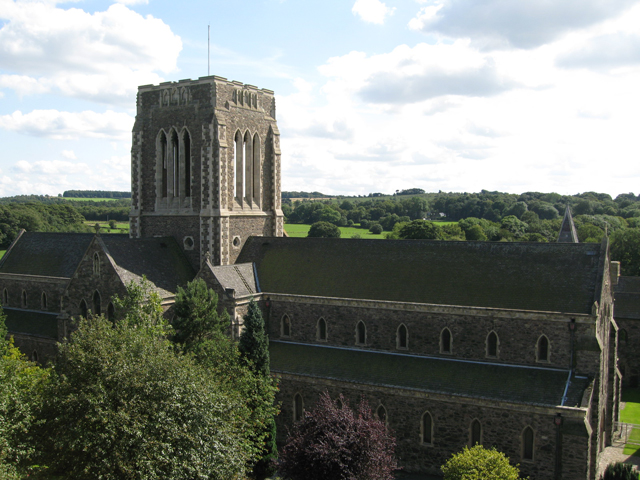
column 239, row 277
column 560, row 277
column 160, row 259
column 490, row 381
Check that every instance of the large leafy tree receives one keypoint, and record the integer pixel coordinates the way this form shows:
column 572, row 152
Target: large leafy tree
column 625, row 248
column 478, row 463
column 421, row 229
column 21, row 386
column 324, row 229
column 123, row 403
column 333, row 441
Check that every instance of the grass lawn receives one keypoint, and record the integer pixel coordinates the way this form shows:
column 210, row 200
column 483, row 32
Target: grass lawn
column 631, row 414
column 300, row 230
column 2, row 252
column 121, row 227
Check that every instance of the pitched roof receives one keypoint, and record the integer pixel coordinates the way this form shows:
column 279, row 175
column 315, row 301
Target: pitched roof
column 31, row 322
column 517, row 384
column 568, row 232
column 627, row 298
column 527, row 276
column 160, row 259
column 239, row 277
column 46, row 254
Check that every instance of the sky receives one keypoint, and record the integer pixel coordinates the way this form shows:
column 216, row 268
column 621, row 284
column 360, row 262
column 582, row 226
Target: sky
column 371, row 95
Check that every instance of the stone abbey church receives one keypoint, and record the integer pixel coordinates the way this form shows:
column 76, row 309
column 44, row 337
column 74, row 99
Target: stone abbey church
column 512, row 345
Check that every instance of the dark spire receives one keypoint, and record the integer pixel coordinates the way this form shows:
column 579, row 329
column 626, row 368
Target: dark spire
column 568, row 232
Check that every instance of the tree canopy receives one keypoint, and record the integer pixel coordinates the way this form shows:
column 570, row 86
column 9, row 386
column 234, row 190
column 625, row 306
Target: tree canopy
column 479, row 463
column 324, row 229
column 332, row 441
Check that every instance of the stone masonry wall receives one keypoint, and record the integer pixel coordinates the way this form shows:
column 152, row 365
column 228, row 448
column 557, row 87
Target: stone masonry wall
column 241, row 228
column 180, row 227
column 517, row 337
column 34, row 288
column 502, row 426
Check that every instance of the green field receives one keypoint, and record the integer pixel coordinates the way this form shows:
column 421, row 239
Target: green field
column 2, row 252
column 121, row 227
column 300, row 230
column 631, row 414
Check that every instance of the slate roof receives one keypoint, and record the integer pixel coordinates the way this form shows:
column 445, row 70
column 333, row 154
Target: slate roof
column 568, row 233
column 31, row 322
column 46, row 254
column 627, row 298
column 239, row 277
column 558, row 277
column 159, row 258
column 516, row 384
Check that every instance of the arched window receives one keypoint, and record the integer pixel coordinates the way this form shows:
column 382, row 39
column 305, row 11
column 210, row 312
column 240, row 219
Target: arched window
column 96, row 303
column 111, row 314
column 402, row 337
column 445, row 341
column 5, row 297
column 381, row 413
column 238, row 171
column 361, row 333
column 24, row 299
column 542, row 352
column 96, row 264
column 163, row 163
column 493, row 345
column 321, row 330
column 248, row 168
column 83, row 308
column 43, row 301
column 256, row 170
column 426, row 429
column 34, row 356
column 285, row 328
column 527, row 444
column 475, row 433
column 186, row 139
column 298, row 407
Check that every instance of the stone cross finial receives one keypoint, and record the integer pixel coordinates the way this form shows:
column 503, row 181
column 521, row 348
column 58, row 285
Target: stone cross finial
column 207, row 257
column 96, row 227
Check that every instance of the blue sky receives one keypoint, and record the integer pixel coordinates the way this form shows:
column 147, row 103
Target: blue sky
column 372, row 95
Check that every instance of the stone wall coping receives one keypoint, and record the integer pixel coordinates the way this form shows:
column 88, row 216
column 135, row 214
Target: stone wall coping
column 211, row 79
column 433, row 308
column 571, row 412
column 32, row 278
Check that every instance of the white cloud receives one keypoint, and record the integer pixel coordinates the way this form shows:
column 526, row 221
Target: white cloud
column 70, row 154
column 100, row 56
column 372, row 11
column 520, row 24
column 69, row 125
column 133, row 2
column 52, row 167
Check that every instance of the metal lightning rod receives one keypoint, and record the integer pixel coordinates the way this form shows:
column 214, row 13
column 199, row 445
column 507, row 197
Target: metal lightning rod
column 208, row 50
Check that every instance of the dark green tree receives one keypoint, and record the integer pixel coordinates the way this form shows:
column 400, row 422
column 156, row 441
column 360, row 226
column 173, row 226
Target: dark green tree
column 420, row 229
column 625, row 248
column 619, row 471
column 324, row 229
column 254, row 344
column 197, row 317
column 254, row 347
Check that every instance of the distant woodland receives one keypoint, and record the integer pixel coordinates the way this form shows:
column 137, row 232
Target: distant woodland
column 484, row 216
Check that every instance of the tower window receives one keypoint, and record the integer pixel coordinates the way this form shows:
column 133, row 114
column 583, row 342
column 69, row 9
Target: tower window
column 43, row 301
column 84, row 310
column 24, row 299
column 96, row 303
column 96, row 264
